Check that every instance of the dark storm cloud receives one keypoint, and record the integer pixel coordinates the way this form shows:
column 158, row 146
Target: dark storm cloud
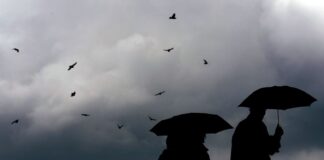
column 294, row 48
column 121, row 65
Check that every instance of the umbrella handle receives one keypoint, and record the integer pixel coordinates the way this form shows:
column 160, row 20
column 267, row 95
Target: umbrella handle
column 278, row 116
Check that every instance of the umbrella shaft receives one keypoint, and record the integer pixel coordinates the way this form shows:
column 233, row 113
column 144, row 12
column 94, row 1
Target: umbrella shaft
column 278, row 115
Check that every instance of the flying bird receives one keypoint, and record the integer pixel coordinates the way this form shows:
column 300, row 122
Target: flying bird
column 173, row 16
column 72, row 66
column 73, row 94
column 205, row 62
column 85, row 115
column 16, row 49
column 168, row 50
column 151, row 119
column 160, row 93
column 15, row 122
column 120, row 126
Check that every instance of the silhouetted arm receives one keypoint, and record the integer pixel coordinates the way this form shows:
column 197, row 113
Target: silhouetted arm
column 251, row 141
column 274, row 141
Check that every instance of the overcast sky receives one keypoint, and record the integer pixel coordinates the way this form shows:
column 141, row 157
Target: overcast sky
column 119, row 44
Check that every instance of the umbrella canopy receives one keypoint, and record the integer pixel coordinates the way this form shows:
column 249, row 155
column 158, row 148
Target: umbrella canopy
column 278, row 97
column 191, row 123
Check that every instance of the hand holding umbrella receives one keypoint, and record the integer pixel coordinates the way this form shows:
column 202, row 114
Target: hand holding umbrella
column 279, row 131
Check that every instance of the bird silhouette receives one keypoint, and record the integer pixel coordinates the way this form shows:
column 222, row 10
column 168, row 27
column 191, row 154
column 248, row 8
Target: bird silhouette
column 15, row 122
column 205, row 62
column 72, row 66
column 159, row 93
column 16, row 49
column 73, row 94
column 151, row 119
column 168, row 50
column 120, row 126
column 173, row 16
column 85, row 115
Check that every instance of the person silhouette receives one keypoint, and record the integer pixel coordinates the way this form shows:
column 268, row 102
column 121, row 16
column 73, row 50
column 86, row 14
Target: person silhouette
column 188, row 146
column 251, row 140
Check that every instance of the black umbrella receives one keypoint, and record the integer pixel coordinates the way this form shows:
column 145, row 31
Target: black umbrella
column 191, row 122
column 278, row 97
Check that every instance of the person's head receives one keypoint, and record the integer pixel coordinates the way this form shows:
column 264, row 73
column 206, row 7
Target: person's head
column 257, row 113
column 198, row 137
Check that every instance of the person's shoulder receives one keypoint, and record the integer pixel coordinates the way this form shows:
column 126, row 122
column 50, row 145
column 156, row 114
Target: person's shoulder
column 244, row 122
column 247, row 123
column 241, row 125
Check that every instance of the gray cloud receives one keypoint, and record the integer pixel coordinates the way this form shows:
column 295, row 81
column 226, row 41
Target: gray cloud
column 118, row 46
